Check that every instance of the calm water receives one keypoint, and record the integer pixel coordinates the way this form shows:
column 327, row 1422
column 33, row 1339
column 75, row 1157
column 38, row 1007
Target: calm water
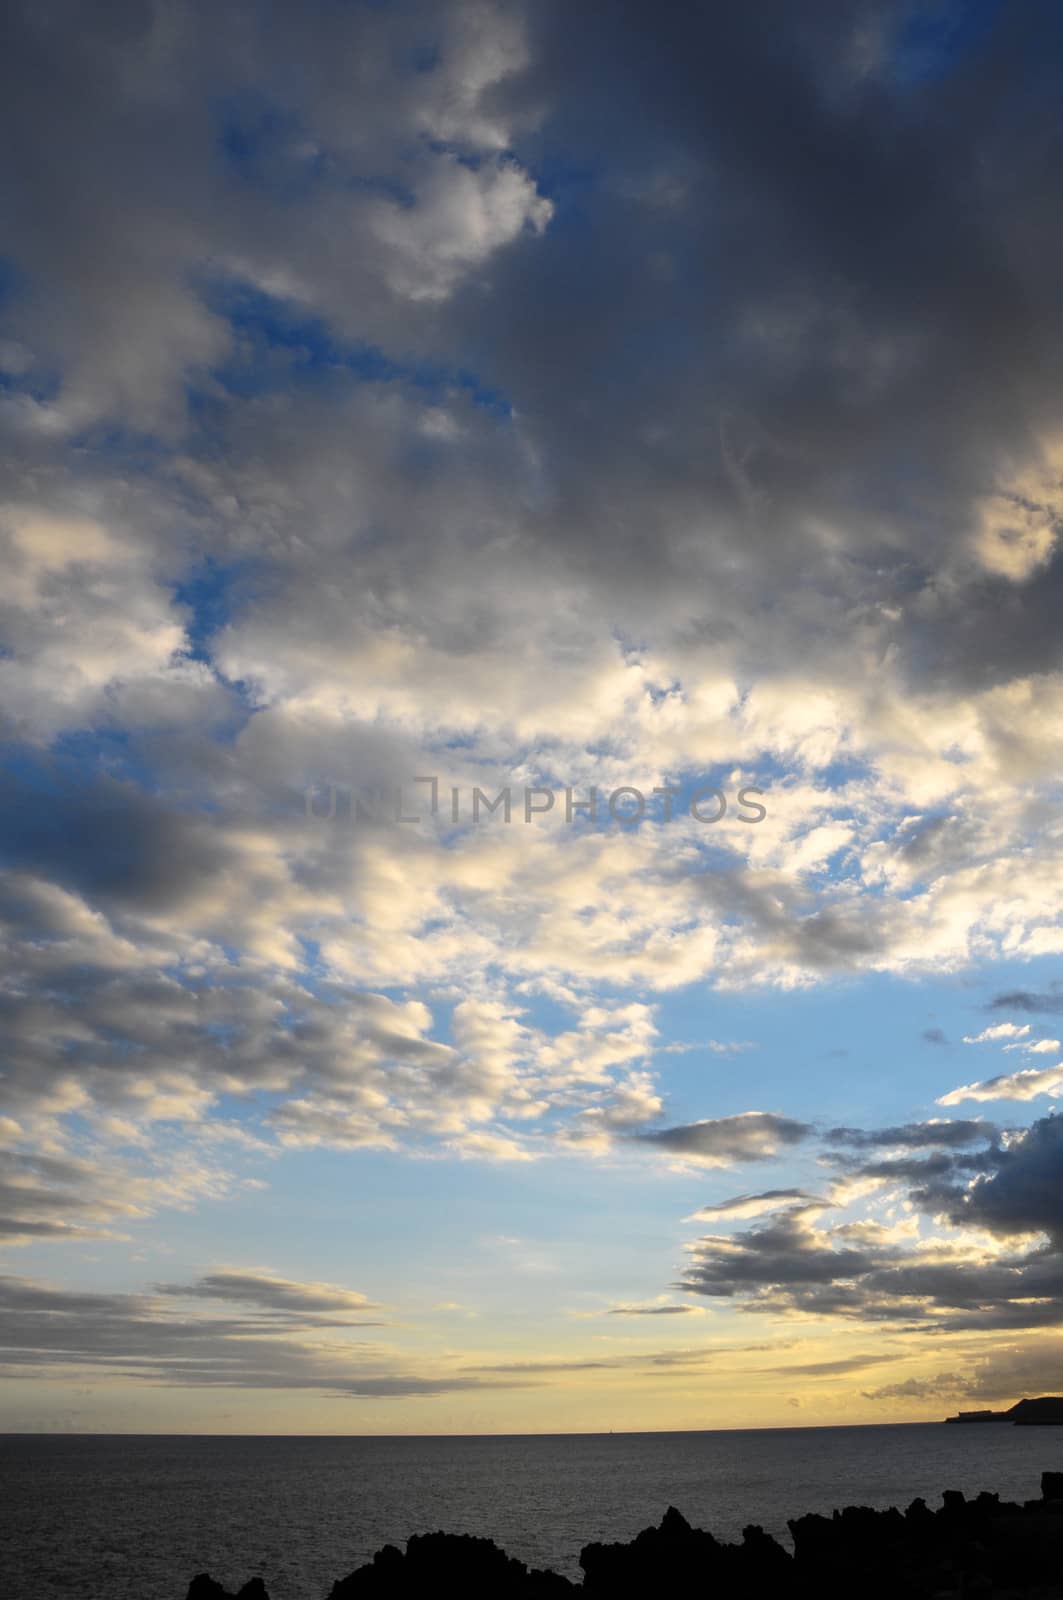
column 133, row 1518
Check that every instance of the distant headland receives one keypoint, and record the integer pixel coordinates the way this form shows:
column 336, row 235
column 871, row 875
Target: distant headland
column 1038, row 1413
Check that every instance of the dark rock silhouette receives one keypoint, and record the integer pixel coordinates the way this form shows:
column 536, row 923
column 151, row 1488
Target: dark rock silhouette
column 1037, row 1413
column 450, row 1563
column 1046, row 1410
column 203, row 1587
column 676, row 1555
column 982, row 1547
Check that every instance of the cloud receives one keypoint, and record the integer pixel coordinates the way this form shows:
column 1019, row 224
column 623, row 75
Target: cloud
column 946, row 1386
column 992, row 1260
column 1026, row 1084
column 786, row 1253
column 93, row 1194
column 1033, row 1367
column 755, row 1205
column 998, row 1030
column 1020, row 1194
column 725, row 1141
column 1025, row 1000
column 840, row 1366
column 652, row 1311
column 283, row 1343
column 997, row 1376
column 939, row 1133
column 648, row 1363
column 271, row 1293
column 348, row 360
column 460, row 217
column 719, row 1047
column 408, row 217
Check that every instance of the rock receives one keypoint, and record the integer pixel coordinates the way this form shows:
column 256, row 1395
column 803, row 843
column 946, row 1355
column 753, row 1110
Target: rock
column 673, row 1555
column 204, row 1587
column 977, row 1549
column 674, row 1525
column 676, row 1558
column 454, row 1563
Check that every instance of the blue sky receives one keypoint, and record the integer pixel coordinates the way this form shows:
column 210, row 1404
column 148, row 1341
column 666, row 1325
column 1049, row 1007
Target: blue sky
column 529, row 400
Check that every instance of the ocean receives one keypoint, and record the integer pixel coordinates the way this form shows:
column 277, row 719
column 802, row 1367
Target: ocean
column 123, row 1517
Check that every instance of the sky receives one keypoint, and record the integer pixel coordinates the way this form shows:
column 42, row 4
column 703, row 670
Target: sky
column 417, row 419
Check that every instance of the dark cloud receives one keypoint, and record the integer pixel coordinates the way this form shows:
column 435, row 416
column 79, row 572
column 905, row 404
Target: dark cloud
column 107, row 840
column 647, row 1362
column 823, row 279
column 65, row 1197
column 490, row 409
column 1031, row 1368
column 1023, row 1192
column 650, row 1311
column 793, row 1262
column 380, row 329
column 45, row 1330
column 926, row 1173
column 1034, row 1367
column 872, row 381
column 782, row 1253
column 766, row 1200
column 1010, row 1187
column 271, row 1294
column 724, row 1141
column 838, row 1367
column 1025, row 1000
column 947, row 1385
column 916, row 1135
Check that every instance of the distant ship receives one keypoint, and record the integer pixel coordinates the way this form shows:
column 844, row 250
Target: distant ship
column 1024, row 1414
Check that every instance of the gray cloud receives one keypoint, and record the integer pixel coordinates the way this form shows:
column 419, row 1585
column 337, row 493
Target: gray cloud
column 352, row 361
column 271, row 1293
column 1007, row 1371
column 1025, row 1000
column 838, row 1367
column 784, row 1253
column 947, row 1385
column 946, row 1133
column 749, row 1205
column 282, row 1345
column 650, row 1311
column 793, row 1263
column 97, row 1194
column 855, row 353
column 724, row 1141
column 646, row 1362
column 1022, row 1193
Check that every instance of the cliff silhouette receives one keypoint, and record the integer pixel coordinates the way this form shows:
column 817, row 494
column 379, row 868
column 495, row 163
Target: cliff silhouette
column 1046, row 1410
column 982, row 1547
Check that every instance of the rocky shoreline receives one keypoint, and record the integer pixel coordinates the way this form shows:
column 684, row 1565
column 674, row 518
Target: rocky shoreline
column 966, row 1548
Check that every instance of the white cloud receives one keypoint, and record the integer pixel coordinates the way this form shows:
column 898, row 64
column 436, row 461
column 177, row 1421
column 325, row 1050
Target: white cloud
column 460, row 218
column 998, row 1030
column 1026, row 1084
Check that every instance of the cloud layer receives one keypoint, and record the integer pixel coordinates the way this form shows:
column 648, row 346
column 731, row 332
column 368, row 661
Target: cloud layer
column 515, row 395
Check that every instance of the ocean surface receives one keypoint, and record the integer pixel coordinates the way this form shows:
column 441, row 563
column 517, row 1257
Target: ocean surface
column 133, row 1517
